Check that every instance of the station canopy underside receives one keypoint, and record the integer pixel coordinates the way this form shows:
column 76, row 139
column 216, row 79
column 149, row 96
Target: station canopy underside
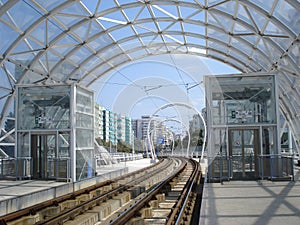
column 58, row 41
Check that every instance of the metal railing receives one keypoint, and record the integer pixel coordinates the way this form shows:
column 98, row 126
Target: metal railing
column 22, row 168
column 122, row 156
column 13, row 168
column 265, row 167
column 59, row 168
column 275, row 166
column 219, row 168
column 8, row 168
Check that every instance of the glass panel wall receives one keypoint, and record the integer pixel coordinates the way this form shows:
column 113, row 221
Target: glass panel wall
column 243, row 125
column 23, row 144
column 60, row 147
column 84, row 111
column 44, row 107
column 64, row 144
column 242, row 100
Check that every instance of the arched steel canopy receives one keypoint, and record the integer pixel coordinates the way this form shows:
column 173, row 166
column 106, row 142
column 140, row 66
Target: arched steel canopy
column 78, row 41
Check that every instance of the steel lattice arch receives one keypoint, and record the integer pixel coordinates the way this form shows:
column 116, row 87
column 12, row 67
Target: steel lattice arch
column 60, row 41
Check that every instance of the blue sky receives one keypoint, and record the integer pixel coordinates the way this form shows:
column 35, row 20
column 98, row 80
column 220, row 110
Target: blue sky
column 139, row 88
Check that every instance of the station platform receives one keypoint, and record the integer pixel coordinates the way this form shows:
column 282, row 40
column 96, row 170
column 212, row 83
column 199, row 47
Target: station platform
column 260, row 202
column 19, row 194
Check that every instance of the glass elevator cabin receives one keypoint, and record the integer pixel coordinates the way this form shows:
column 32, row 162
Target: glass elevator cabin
column 242, row 119
column 55, row 132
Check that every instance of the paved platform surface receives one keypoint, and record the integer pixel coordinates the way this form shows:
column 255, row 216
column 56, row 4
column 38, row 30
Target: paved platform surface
column 252, row 203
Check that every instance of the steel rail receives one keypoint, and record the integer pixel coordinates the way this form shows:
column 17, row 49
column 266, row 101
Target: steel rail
column 54, row 202
column 177, row 216
column 124, row 217
column 82, row 207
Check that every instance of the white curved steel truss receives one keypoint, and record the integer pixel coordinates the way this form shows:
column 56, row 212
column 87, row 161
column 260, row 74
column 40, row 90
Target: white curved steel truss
column 65, row 41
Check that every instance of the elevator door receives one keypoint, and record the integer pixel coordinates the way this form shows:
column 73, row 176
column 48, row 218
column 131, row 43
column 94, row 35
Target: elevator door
column 43, row 150
column 243, row 149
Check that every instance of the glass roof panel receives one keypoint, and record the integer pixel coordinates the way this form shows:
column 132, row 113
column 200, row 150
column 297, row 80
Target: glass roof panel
column 104, row 5
column 13, row 69
column 189, row 27
column 94, row 28
column 100, row 42
column 228, row 7
column 128, row 45
column 272, row 29
column 258, row 18
column 266, row 5
column 91, row 5
column 26, row 18
column 121, row 33
column 215, row 55
column 99, row 71
column 295, row 54
column 24, row 59
column 112, row 19
column 7, row 37
column 144, row 14
column 132, row 12
column 39, row 33
column 238, row 55
column 159, row 11
column 243, row 15
column 119, row 59
column 217, row 46
column 81, row 54
column 145, row 28
column 236, row 63
column 75, row 10
column 262, row 46
column 288, row 15
column 225, row 23
column 196, row 41
column 112, row 51
column 189, row 13
column 259, row 60
column 62, row 71
column 141, row 29
column 67, row 20
column 67, row 40
column 239, row 29
column 137, row 54
column 82, row 30
column 169, row 25
column 284, row 43
column 213, row 2
column 252, row 39
column 52, row 60
column 218, row 35
column 32, row 77
column 275, row 53
column 252, row 66
column 93, row 62
column 63, row 50
column 238, row 44
column 200, row 16
column 49, row 5
column 165, row 11
column 5, row 82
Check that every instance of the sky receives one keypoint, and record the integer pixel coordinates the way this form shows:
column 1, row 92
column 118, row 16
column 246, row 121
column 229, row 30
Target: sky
column 142, row 87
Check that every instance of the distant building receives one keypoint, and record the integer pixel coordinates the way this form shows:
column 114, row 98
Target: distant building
column 124, row 131
column 111, row 127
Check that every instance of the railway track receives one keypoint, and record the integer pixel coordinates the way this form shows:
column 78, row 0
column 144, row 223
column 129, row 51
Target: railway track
column 161, row 194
